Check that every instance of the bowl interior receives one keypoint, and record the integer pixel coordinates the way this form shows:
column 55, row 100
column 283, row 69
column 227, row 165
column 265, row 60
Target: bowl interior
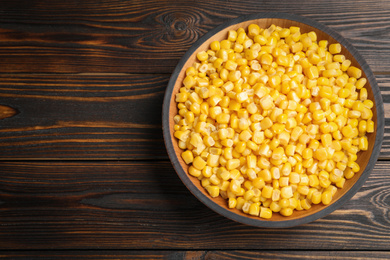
column 363, row 157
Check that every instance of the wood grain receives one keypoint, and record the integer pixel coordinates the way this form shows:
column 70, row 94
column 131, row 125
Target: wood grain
column 144, row 205
column 6, row 112
column 82, row 116
column 196, row 254
column 83, row 82
column 92, row 116
column 151, row 36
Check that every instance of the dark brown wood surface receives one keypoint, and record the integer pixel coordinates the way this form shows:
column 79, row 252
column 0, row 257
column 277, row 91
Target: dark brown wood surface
column 194, row 254
column 144, row 205
column 84, row 173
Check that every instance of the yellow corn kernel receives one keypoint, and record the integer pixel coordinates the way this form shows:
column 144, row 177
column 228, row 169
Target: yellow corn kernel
column 215, row 46
column 275, row 194
column 286, row 192
column 213, row 190
column 207, row 172
column 294, row 178
column 232, row 164
column 223, row 118
column 370, row 126
column 286, row 212
column 354, row 166
column 235, row 186
column 249, row 194
column 182, row 97
column 337, row 109
column 348, row 131
column 182, row 135
column 266, row 123
column 326, row 140
column 225, row 44
column 240, row 203
column 263, row 163
column 265, row 174
column 338, row 156
column 191, row 71
column 305, row 204
column 325, row 128
column 313, row 180
column 277, row 153
column 332, row 189
column 199, row 163
column 194, row 172
column 314, row 58
column 296, row 47
column 335, row 48
column 363, row 94
column 360, row 83
column 266, row 102
column 307, row 153
column 274, row 206
column 296, row 132
column 310, row 194
column 293, row 203
column 265, row 213
column 345, row 65
column 325, row 92
column 267, row 192
column 258, row 183
column 290, row 149
column 240, row 147
column 254, row 209
column 188, row 157
column 202, row 56
column 224, row 175
column 316, row 198
column 311, row 72
column 232, row 203
column 284, row 203
column 278, row 128
column 326, row 197
column 340, row 183
column 312, row 35
column 251, row 161
column 363, row 143
column 258, row 137
column 354, row 72
column 303, row 189
column 313, row 144
column 341, row 166
column 264, row 149
column 189, row 82
column 366, row 113
column 348, row 173
column 252, row 145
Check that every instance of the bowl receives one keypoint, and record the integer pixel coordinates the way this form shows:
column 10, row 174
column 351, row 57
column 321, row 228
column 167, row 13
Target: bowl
column 366, row 159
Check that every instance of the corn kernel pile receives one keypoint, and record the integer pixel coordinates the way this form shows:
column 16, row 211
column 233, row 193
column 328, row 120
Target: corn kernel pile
column 272, row 120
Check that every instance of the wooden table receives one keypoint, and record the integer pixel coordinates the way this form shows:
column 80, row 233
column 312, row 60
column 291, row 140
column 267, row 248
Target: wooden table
column 84, row 172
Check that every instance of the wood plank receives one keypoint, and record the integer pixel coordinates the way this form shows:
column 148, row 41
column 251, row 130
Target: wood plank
column 82, row 116
column 143, row 205
column 199, row 255
column 151, row 36
column 95, row 116
column 384, row 86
